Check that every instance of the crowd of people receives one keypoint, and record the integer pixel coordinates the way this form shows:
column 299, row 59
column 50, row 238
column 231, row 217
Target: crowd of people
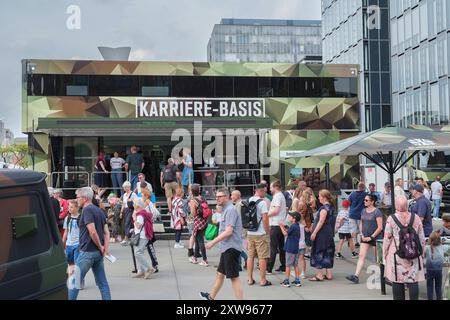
column 295, row 226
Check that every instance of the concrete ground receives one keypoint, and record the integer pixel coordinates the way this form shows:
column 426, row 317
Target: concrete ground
column 180, row 280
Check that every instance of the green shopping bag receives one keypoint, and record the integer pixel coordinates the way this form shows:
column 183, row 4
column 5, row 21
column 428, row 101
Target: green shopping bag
column 211, row 231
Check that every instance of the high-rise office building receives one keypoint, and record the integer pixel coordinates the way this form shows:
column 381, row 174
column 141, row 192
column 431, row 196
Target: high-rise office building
column 420, row 50
column 2, row 132
column 355, row 32
column 258, row 40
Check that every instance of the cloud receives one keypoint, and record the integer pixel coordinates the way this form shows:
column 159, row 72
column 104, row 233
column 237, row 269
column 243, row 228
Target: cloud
column 142, row 55
column 167, row 30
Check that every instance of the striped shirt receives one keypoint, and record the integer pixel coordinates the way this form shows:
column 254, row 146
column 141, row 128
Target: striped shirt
column 346, row 226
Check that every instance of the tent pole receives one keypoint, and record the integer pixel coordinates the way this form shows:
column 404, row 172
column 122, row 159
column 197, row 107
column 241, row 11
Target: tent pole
column 374, row 161
column 391, row 178
column 406, row 161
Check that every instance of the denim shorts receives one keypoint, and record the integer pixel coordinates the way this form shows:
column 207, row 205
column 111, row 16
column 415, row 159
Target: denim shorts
column 72, row 253
column 301, row 251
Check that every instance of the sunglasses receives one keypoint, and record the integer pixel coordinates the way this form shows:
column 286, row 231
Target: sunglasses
column 367, row 200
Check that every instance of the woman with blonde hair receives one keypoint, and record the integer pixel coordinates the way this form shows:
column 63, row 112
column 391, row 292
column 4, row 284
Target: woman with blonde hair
column 322, row 237
column 401, row 271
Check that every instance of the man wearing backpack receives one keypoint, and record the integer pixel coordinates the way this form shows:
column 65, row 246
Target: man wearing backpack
column 200, row 211
column 169, row 182
column 258, row 238
column 238, row 204
column 423, row 209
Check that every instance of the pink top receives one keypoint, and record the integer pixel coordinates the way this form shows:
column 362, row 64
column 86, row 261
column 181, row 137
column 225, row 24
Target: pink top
column 408, row 271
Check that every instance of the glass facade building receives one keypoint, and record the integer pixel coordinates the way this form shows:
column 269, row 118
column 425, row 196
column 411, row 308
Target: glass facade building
column 420, row 57
column 258, row 40
column 348, row 37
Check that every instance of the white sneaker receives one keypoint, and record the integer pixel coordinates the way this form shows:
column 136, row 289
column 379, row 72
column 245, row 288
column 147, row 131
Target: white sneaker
column 303, row 276
column 203, row 264
column 178, row 246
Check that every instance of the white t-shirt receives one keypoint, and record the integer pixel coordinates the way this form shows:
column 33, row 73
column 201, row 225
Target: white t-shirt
column 426, row 193
column 140, row 220
column 302, row 243
column 436, row 188
column 260, row 210
column 116, row 163
column 278, row 200
column 398, row 191
column 125, row 198
column 149, row 187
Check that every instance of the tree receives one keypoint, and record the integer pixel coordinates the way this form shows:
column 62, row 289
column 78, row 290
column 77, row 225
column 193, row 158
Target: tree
column 5, row 153
column 20, row 154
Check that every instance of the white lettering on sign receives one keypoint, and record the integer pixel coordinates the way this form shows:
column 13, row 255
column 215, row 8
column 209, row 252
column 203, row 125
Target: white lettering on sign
column 421, row 142
column 199, row 108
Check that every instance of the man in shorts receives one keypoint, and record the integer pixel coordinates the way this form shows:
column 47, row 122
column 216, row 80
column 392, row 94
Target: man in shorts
column 169, row 181
column 230, row 231
column 259, row 240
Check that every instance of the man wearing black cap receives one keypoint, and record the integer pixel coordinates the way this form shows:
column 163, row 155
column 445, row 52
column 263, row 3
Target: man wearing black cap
column 422, row 208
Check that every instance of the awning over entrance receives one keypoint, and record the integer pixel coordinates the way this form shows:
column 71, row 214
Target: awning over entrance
column 143, row 127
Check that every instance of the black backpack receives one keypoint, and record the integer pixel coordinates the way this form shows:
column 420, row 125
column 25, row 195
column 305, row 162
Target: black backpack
column 169, row 174
column 69, row 219
column 409, row 246
column 249, row 215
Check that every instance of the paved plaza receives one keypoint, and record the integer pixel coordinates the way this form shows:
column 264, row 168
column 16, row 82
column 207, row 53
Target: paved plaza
column 180, row 280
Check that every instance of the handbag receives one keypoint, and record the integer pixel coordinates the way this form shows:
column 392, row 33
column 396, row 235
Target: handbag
column 135, row 238
column 211, row 232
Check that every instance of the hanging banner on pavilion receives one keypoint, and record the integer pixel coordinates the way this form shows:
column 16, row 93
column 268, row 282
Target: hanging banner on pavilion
column 199, row 108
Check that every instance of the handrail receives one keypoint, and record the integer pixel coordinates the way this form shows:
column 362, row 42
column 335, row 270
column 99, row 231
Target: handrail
column 67, row 173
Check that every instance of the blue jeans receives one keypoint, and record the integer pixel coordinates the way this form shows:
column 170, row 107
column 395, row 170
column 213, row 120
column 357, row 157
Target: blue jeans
column 437, row 207
column 434, row 283
column 117, row 180
column 133, row 180
column 86, row 261
column 72, row 253
column 243, row 256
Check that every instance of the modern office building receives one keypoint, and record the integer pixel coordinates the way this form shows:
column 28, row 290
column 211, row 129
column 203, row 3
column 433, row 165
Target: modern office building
column 2, row 132
column 350, row 35
column 420, row 50
column 258, row 40
column 79, row 108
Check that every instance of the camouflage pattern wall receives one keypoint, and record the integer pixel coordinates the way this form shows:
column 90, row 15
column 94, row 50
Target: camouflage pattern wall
column 301, row 123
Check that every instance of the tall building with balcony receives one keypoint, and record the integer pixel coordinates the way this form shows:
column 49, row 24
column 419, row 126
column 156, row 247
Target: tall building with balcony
column 420, row 57
column 260, row 40
column 355, row 32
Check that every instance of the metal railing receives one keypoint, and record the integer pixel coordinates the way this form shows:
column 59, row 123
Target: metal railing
column 60, row 179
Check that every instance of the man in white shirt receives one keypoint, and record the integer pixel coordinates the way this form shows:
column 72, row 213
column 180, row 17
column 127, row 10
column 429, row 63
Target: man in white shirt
column 141, row 178
column 398, row 190
column 437, row 192
column 259, row 240
column 277, row 214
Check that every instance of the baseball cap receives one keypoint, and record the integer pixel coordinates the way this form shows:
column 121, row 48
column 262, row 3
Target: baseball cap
column 295, row 215
column 418, row 188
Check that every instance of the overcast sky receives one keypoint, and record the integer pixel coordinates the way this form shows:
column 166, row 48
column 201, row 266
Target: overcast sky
column 155, row 29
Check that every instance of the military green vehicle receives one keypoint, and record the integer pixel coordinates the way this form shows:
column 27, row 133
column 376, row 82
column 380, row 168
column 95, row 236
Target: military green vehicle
column 32, row 260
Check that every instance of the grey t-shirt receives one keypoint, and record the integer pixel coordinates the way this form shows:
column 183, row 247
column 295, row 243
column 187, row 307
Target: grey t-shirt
column 230, row 217
column 369, row 222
